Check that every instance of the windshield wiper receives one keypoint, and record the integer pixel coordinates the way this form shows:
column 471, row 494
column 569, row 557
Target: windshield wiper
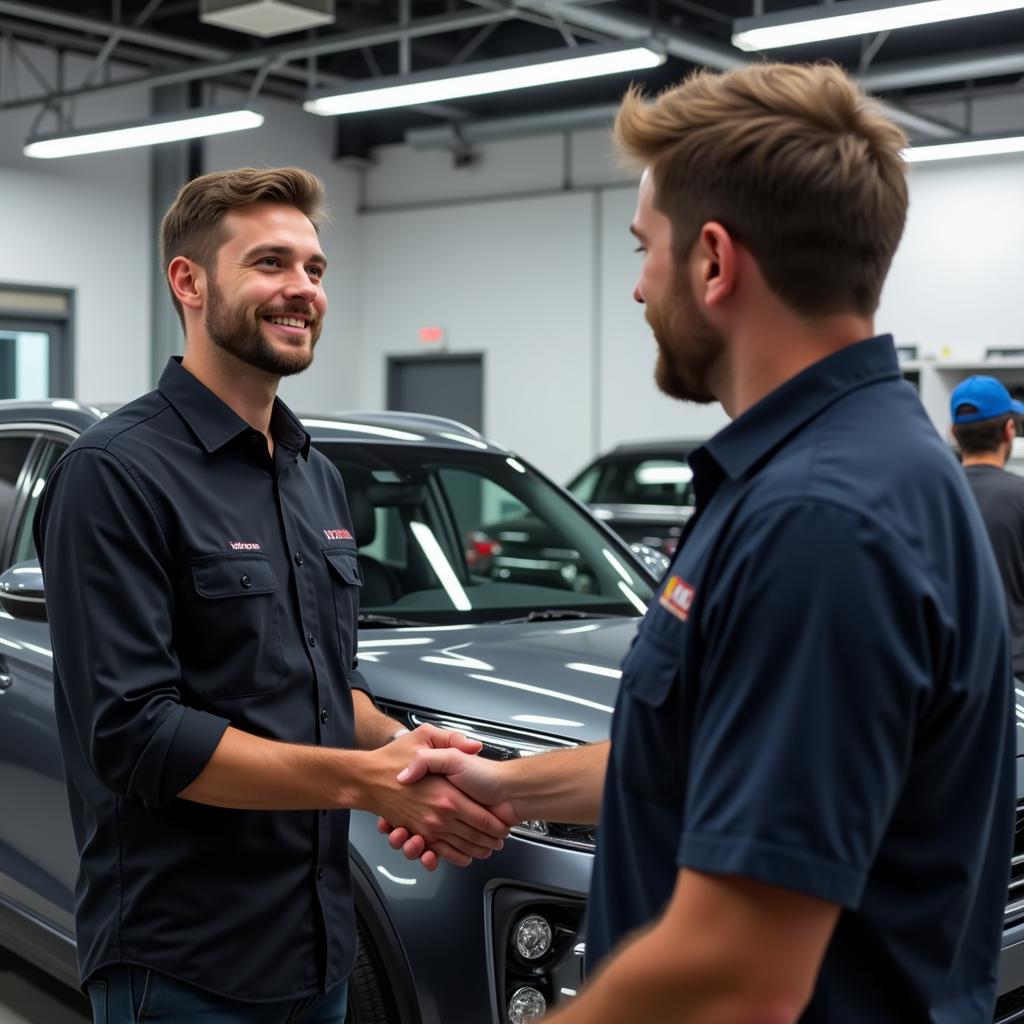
column 555, row 614
column 373, row 619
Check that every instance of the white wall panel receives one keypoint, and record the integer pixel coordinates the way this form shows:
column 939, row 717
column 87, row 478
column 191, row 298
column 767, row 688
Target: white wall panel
column 83, row 223
column 509, row 279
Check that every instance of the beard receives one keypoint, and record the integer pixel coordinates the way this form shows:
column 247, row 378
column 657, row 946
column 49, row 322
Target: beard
column 239, row 331
column 689, row 347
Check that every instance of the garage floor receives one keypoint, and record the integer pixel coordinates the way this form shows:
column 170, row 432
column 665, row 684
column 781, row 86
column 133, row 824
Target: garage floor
column 28, row 996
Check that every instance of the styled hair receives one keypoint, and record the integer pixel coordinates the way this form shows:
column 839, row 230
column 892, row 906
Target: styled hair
column 981, row 437
column 193, row 225
column 794, row 160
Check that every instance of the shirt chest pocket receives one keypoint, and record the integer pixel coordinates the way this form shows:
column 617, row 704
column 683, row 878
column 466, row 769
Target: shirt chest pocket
column 649, row 736
column 231, row 633
column 346, row 584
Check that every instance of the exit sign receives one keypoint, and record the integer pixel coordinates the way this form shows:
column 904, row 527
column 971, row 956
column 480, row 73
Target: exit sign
column 433, row 336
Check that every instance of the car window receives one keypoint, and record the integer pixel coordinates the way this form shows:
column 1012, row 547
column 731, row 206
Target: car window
column 24, row 547
column 659, row 481
column 13, row 452
column 584, row 485
column 450, row 536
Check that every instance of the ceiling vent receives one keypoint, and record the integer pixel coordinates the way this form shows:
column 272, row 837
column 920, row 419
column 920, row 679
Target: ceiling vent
column 267, row 17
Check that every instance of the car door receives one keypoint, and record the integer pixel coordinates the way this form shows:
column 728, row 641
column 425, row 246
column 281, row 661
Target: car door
column 38, row 861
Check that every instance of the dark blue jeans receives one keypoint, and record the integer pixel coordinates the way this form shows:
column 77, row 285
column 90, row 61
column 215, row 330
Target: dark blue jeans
column 134, row 995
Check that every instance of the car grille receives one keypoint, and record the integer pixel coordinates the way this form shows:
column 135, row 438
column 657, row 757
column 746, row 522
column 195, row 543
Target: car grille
column 1015, row 898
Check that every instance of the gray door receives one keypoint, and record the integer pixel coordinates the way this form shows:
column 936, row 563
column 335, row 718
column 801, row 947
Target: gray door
column 450, row 386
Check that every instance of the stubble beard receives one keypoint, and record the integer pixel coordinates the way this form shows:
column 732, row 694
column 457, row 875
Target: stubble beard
column 239, row 330
column 689, row 347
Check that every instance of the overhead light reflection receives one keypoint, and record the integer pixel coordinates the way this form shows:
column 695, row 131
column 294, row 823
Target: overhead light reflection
column 560, row 723
column 462, row 439
column 595, row 670
column 633, row 599
column 395, row 878
column 400, row 641
column 365, row 428
column 441, row 566
column 617, row 565
column 589, row 628
column 516, row 464
column 557, row 695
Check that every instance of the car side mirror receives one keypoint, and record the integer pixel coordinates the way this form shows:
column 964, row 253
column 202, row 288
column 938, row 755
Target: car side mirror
column 21, row 591
column 654, row 562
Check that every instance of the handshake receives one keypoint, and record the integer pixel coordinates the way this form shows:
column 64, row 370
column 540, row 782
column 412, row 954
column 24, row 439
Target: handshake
column 438, row 800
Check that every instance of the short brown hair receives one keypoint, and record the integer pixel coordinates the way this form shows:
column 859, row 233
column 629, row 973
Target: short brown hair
column 980, row 437
column 193, row 226
column 793, row 161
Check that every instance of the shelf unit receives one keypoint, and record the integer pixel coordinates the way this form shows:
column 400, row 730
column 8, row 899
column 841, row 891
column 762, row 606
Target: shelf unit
column 935, row 380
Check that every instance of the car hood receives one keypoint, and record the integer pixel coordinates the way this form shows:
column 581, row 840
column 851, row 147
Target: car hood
column 555, row 678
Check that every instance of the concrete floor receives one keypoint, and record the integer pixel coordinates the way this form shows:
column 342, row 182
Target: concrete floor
column 28, row 996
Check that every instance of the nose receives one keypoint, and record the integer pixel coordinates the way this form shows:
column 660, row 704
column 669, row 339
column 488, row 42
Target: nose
column 299, row 285
column 638, row 296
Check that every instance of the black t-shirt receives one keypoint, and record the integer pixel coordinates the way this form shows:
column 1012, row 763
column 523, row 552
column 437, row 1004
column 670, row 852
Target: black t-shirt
column 1000, row 496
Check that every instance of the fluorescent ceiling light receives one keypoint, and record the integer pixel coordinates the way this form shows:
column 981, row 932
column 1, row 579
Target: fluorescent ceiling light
column 962, row 150
column 523, row 72
column 854, row 18
column 145, row 133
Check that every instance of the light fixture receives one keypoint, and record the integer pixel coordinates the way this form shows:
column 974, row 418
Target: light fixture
column 476, row 79
column 854, row 18
column 999, row 146
column 152, row 132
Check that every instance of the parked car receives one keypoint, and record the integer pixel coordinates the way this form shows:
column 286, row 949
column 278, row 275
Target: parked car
column 524, row 667
column 642, row 491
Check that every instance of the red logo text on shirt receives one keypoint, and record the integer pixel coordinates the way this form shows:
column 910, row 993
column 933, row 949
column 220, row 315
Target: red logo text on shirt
column 677, row 597
column 244, row 545
column 337, row 535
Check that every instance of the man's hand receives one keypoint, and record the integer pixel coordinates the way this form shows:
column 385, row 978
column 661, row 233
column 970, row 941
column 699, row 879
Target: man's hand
column 477, row 777
column 446, row 822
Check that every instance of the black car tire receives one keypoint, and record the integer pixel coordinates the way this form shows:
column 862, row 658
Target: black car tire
column 369, row 997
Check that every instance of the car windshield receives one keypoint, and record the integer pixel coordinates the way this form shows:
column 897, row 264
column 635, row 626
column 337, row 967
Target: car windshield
column 639, row 480
column 449, row 537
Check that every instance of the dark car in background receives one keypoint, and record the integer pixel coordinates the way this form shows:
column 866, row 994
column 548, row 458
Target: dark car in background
column 524, row 666
column 643, row 491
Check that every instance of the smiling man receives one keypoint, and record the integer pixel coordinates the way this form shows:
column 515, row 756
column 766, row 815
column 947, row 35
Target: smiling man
column 202, row 592
column 809, row 796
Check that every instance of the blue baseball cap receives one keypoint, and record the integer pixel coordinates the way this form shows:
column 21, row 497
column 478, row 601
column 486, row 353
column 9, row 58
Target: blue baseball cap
column 989, row 398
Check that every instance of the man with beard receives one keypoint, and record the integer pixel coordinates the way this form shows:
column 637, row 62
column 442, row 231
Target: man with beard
column 202, row 592
column 809, row 798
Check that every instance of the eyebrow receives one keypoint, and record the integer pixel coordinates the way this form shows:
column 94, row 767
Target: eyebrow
column 283, row 251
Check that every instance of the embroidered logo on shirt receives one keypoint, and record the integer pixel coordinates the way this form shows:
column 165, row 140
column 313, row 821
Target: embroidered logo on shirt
column 337, row 535
column 244, row 545
column 677, row 597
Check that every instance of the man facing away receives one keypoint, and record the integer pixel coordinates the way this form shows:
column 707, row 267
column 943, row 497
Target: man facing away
column 984, row 426
column 807, row 803
column 203, row 598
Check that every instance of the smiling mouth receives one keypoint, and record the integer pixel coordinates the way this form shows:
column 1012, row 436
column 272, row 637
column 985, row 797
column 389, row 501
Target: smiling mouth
column 300, row 322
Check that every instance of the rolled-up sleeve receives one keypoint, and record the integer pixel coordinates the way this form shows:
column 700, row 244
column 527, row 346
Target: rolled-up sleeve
column 109, row 599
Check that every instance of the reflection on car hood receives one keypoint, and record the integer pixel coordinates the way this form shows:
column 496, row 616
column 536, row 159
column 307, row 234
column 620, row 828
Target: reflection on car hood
column 557, row 678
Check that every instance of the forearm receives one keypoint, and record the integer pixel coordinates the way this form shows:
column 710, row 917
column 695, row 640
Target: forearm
column 565, row 785
column 373, row 728
column 252, row 773
column 655, row 977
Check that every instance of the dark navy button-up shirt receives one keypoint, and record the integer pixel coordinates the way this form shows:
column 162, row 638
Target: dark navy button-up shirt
column 193, row 581
column 821, row 699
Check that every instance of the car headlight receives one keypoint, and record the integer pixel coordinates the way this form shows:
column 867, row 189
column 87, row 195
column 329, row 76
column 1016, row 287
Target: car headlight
column 503, row 744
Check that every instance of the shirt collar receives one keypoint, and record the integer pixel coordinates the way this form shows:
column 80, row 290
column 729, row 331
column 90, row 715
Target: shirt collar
column 215, row 423
column 765, row 426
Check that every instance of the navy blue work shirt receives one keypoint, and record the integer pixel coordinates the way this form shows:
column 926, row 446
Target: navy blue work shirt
column 821, row 699
column 193, row 581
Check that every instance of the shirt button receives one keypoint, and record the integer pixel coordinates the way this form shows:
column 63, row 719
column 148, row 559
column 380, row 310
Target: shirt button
column 319, row 874
column 298, row 558
column 323, row 715
column 246, row 582
column 311, row 639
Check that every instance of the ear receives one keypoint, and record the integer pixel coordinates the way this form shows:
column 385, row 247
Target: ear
column 717, row 263
column 1009, row 430
column 188, row 282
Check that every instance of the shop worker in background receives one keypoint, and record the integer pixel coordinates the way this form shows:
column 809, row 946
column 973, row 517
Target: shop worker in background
column 984, row 426
column 202, row 593
column 809, row 794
